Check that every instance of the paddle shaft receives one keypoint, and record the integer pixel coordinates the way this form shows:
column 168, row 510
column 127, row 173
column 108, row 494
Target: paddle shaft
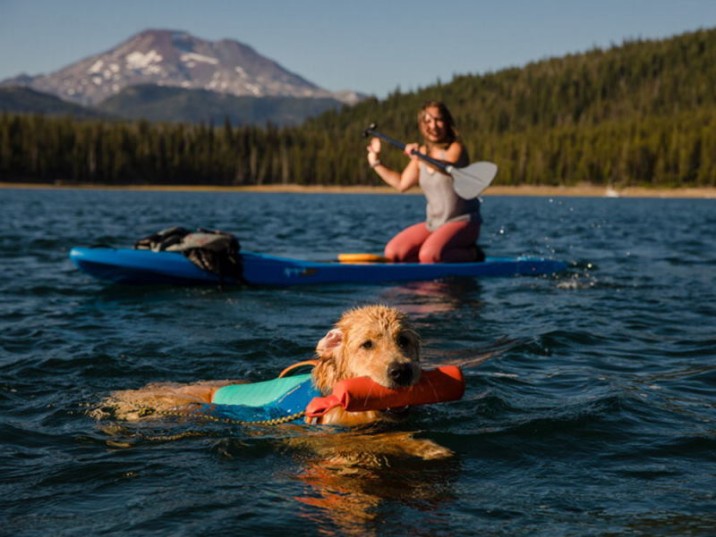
column 370, row 131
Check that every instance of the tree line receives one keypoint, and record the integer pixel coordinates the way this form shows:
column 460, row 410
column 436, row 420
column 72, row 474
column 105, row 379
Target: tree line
column 642, row 113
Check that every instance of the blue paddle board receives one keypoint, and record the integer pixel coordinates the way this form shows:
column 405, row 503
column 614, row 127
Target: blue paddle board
column 129, row 266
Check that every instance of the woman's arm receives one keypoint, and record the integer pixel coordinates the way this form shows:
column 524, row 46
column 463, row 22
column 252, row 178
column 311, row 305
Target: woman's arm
column 455, row 154
column 400, row 181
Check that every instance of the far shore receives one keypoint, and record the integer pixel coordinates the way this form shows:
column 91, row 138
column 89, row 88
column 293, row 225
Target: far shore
column 497, row 190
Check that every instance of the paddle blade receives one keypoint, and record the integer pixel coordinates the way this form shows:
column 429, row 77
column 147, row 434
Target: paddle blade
column 469, row 182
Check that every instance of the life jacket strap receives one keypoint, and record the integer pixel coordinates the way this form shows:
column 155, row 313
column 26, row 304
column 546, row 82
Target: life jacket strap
column 312, row 363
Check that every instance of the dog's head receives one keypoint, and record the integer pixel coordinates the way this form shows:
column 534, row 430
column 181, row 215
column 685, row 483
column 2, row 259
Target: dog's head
column 371, row 341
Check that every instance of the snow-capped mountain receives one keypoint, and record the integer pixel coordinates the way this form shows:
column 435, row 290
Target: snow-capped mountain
column 175, row 59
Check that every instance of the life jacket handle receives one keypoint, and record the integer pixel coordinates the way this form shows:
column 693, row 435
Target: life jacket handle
column 312, row 363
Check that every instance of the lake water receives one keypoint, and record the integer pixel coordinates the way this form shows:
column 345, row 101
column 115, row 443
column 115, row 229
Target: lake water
column 593, row 411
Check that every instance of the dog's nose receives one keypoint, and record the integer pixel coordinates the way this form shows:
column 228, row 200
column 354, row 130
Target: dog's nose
column 401, row 374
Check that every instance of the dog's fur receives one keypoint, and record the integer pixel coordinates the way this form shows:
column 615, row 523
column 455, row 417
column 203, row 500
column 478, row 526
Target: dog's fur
column 373, row 341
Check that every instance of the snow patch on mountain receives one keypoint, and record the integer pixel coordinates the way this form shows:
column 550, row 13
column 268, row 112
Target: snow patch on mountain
column 144, row 61
column 193, row 58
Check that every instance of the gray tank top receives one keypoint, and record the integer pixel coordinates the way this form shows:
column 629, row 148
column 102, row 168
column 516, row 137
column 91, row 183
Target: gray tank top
column 444, row 205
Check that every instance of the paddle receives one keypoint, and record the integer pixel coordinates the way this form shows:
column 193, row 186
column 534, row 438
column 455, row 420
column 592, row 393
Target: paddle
column 469, row 182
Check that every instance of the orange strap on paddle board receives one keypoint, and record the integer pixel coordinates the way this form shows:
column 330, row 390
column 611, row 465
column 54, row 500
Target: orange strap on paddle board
column 361, row 258
column 439, row 385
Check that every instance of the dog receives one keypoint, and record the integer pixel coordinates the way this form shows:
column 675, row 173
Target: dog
column 374, row 341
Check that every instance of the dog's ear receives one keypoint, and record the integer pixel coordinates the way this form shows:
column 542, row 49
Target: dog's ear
column 325, row 374
column 326, row 348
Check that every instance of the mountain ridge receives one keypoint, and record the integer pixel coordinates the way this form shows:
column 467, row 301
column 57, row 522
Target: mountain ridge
column 175, row 58
column 24, row 100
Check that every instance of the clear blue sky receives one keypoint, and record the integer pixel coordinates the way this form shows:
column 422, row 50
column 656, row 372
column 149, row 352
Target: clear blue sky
column 371, row 46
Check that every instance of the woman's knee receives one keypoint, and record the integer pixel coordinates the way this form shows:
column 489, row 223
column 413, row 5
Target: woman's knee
column 399, row 253
column 406, row 244
column 429, row 254
column 391, row 252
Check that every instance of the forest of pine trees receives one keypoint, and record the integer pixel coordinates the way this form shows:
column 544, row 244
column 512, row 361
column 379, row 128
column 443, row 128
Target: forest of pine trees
column 640, row 114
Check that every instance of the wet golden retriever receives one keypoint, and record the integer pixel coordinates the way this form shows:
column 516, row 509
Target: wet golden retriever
column 374, row 341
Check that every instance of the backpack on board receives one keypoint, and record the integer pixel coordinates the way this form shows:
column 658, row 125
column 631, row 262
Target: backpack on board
column 210, row 250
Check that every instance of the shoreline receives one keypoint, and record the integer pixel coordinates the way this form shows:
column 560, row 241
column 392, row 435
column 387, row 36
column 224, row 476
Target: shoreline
column 497, row 190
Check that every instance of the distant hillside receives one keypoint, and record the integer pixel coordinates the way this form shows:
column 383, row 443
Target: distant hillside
column 156, row 103
column 639, row 114
column 636, row 80
column 19, row 100
column 175, row 105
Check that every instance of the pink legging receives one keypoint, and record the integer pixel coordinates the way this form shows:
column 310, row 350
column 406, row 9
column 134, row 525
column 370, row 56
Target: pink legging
column 453, row 242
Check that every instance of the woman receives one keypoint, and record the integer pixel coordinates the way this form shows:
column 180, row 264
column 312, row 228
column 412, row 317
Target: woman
column 450, row 231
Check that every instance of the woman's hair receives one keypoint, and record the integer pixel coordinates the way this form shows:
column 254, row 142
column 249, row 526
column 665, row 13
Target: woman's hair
column 452, row 133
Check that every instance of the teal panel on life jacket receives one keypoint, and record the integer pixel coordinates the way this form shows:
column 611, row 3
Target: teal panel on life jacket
column 257, row 393
column 261, row 401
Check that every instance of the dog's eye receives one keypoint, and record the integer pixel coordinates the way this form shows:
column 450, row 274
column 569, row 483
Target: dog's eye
column 367, row 344
column 403, row 341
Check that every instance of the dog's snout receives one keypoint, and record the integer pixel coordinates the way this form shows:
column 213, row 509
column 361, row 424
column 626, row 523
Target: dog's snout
column 401, row 374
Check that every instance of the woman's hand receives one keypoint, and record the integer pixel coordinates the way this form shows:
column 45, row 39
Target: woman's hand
column 374, row 148
column 409, row 148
